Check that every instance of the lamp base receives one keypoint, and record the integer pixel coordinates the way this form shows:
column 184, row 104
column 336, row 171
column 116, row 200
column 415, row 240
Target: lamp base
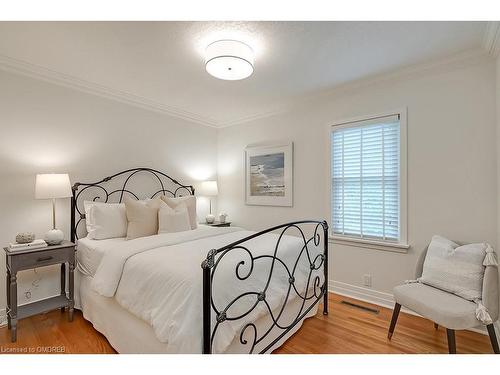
column 54, row 237
column 210, row 219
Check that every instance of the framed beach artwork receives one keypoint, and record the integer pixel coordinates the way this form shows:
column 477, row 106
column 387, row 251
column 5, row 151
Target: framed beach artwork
column 269, row 175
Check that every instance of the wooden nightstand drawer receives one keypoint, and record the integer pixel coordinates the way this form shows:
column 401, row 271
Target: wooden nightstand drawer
column 40, row 258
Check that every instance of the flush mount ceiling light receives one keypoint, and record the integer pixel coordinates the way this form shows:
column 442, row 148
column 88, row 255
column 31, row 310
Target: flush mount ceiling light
column 229, row 59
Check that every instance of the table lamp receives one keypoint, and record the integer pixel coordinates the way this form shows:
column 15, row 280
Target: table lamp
column 52, row 186
column 208, row 189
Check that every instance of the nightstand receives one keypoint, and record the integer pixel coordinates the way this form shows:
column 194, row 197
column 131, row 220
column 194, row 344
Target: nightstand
column 32, row 258
column 219, row 224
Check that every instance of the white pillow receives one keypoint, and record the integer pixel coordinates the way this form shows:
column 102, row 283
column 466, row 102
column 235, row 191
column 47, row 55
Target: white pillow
column 105, row 220
column 454, row 268
column 172, row 220
column 189, row 201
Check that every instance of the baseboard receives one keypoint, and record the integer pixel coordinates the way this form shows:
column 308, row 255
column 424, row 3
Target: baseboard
column 363, row 294
column 378, row 298
column 3, row 317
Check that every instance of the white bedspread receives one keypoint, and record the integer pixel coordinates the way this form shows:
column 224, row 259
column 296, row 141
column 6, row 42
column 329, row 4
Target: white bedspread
column 90, row 253
column 159, row 279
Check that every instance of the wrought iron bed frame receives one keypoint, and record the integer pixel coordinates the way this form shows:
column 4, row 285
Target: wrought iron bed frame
column 79, row 187
column 313, row 292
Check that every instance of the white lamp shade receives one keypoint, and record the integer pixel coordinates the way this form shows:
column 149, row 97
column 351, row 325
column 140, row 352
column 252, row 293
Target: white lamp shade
column 208, row 189
column 229, row 60
column 52, row 185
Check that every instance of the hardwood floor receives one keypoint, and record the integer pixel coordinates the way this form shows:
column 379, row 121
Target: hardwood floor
column 346, row 329
column 349, row 330
column 52, row 332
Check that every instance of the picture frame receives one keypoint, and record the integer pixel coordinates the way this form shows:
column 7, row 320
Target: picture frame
column 269, row 175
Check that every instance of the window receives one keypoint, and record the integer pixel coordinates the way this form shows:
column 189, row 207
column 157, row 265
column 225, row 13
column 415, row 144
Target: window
column 366, row 179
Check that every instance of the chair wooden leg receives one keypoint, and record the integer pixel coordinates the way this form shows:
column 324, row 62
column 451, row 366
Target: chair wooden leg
column 395, row 314
column 452, row 347
column 436, row 326
column 493, row 338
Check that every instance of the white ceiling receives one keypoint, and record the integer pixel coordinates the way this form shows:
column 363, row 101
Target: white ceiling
column 162, row 62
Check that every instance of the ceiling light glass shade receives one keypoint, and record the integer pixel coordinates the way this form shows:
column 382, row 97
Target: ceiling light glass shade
column 229, row 59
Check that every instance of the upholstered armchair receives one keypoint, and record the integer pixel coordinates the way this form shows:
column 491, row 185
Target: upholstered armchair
column 446, row 309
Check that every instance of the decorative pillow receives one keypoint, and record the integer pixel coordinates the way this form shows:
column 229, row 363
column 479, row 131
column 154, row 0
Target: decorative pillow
column 142, row 217
column 105, row 220
column 454, row 268
column 189, row 201
column 173, row 220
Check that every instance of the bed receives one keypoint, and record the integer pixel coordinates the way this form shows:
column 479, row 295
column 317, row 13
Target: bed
column 206, row 290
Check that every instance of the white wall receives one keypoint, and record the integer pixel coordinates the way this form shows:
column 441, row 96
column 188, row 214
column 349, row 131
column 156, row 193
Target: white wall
column 451, row 164
column 498, row 146
column 48, row 128
column 498, row 161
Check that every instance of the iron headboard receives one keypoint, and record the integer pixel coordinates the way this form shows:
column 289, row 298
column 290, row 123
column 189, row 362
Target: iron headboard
column 166, row 184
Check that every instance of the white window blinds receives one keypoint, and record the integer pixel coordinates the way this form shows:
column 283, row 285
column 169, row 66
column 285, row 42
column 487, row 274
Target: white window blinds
column 365, row 174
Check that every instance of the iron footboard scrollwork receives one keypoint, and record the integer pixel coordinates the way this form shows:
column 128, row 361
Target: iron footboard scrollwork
column 307, row 292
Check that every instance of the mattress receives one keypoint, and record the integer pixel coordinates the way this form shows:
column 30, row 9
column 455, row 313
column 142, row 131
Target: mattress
column 90, row 253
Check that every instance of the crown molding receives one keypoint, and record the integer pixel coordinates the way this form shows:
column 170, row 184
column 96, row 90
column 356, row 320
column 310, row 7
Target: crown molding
column 38, row 72
column 491, row 39
column 456, row 61
column 256, row 116
column 492, row 34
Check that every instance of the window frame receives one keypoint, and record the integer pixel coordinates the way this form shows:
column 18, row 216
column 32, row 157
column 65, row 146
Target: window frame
column 377, row 244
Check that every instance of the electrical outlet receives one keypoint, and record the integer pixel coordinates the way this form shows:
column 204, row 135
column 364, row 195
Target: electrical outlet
column 367, row 280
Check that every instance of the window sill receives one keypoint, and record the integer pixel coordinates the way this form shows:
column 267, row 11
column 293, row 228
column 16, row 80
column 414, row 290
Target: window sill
column 370, row 244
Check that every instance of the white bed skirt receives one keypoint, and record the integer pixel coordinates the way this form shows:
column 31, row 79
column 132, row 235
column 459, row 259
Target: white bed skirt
column 128, row 334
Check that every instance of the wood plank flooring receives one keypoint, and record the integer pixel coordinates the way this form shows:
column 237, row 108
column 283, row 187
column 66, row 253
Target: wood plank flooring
column 51, row 332
column 346, row 330
column 350, row 330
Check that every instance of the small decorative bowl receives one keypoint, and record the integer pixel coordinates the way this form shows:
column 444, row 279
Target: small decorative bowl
column 25, row 237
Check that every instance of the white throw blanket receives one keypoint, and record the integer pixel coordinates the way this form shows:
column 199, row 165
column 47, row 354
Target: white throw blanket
column 159, row 279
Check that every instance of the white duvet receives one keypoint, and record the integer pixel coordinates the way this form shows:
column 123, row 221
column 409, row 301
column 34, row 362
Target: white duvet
column 159, row 279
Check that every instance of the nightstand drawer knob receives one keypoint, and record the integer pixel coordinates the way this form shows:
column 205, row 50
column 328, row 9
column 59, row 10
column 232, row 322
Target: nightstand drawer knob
column 43, row 259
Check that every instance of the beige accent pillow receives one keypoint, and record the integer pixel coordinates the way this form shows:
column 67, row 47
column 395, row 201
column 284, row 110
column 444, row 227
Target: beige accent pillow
column 189, row 201
column 172, row 220
column 142, row 217
column 454, row 268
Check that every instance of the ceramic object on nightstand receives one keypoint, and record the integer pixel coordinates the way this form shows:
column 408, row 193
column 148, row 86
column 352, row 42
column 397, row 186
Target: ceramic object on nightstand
column 222, row 217
column 54, row 237
column 210, row 219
